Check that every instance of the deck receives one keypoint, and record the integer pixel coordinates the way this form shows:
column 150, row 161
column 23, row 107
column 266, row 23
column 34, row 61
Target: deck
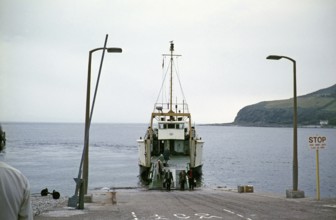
column 175, row 164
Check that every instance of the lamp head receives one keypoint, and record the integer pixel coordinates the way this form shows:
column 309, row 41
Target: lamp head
column 274, row 57
column 114, row 50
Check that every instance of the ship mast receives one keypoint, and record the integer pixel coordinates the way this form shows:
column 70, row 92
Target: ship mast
column 171, row 114
column 171, row 76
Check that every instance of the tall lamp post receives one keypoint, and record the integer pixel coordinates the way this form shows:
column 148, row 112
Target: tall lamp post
column 88, row 113
column 83, row 173
column 294, row 193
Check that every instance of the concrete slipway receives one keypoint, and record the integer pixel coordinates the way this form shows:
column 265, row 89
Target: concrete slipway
column 136, row 204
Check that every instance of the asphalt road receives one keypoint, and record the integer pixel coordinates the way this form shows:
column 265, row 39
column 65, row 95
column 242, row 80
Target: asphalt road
column 198, row 204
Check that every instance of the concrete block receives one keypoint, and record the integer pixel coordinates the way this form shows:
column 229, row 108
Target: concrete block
column 241, row 189
column 88, row 198
column 245, row 189
column 248, row 189
column 294, row 194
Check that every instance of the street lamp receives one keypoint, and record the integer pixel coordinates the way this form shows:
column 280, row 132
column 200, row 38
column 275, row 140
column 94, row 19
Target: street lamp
column 88, row 114
column 295, row 193
column 83, row 173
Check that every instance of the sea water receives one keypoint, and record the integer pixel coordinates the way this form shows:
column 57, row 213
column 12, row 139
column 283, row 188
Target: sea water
column 49, row 155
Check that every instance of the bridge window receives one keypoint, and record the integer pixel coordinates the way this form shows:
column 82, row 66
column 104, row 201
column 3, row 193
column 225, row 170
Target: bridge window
column 171, row 125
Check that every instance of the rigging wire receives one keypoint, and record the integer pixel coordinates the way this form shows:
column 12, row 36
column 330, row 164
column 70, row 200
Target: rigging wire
column 162, row 85
column 179, row 80
column 162, row 91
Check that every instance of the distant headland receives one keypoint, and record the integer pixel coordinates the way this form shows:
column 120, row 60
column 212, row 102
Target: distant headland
column 316, row 109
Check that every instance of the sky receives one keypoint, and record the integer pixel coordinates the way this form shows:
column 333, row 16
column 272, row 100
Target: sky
column 45, row 47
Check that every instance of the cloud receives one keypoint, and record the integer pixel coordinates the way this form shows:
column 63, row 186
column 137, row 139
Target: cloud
column 223, row 46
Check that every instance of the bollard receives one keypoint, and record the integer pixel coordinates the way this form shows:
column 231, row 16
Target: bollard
column 114, row 197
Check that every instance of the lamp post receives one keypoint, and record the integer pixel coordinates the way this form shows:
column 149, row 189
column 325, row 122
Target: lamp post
column 88, row 113
column 83, row 173
column 294, row 193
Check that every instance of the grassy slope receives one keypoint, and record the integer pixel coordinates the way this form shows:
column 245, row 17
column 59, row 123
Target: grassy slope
column 313, row 107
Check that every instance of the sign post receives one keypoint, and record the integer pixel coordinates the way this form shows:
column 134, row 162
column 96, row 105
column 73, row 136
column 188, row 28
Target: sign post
column 317, row 142
column 317, row 175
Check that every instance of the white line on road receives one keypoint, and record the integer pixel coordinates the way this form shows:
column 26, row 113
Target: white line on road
column 233, row 213
column 134, row 216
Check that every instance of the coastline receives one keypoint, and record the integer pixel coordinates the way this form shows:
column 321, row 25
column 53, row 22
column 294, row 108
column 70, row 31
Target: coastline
column 232, row 124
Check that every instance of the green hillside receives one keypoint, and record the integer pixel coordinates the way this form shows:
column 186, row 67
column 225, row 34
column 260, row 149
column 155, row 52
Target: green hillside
column 312, row 108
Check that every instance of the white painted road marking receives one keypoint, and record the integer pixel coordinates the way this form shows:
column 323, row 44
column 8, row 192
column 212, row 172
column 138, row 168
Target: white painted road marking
column 233, row 213
column 134, row 216
column 181, row 216
column 206, row 215
column 199, row 215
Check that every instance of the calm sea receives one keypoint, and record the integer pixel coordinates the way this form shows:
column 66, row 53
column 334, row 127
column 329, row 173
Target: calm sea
column 49, row 155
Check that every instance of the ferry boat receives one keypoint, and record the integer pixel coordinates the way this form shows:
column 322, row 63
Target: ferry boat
column 170, row 143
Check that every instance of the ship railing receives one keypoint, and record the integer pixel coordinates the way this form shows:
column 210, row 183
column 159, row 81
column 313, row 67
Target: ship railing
column 176, row 107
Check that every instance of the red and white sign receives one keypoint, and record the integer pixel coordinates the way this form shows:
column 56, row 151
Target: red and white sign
column 317, row 142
